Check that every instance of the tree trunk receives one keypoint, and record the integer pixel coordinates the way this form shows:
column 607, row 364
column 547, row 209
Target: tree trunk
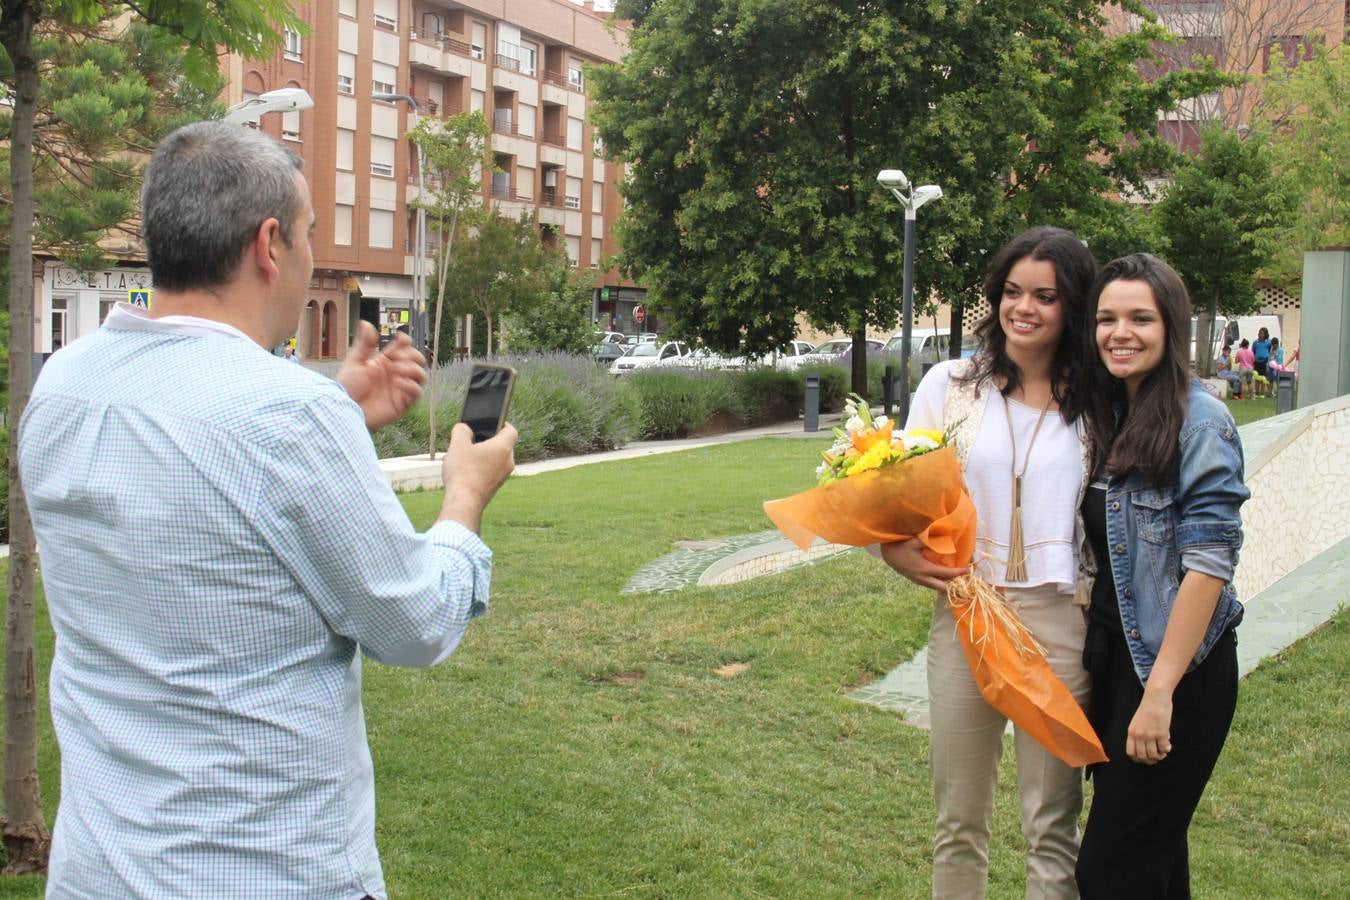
column 1204, row 352
column 487, row 335
column 859, row 370
column 956, row 331
column 26, row 838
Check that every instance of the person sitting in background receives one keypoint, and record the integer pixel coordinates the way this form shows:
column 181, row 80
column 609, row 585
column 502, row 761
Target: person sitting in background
column 1223, row 368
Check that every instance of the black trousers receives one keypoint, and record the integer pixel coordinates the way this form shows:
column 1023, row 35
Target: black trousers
column 1134, row 844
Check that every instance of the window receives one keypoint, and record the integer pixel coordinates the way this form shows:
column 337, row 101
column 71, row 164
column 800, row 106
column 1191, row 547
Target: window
column 476, row 100
column 105, row 307
column 597, row 197
column 381, row 156
column 292, row 43
column 574, row 77
column 508, row 46
column 346, row 73
column 573, row 251
column 347, row 8
column 342, row 225
column 58, row 323
column 573, row 133
column 383, row 78
column 528, row 54
column 290, row 125
column 597, row 251
column 573, row 200
column 386, row 14
column 478, row 41
column 525, row 127
column 381, row 229
column 524, row 182
column 501, row 184
column 346, row 142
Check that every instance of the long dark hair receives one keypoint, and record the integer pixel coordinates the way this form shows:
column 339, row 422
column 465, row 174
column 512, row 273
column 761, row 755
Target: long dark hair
column 1075, row 267
column 1148, row 437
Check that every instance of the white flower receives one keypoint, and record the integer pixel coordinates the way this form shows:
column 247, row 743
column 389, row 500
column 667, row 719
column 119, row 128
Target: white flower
column 919, row 442
column 839, row 448
column 853, row 425
column 881, row 423
column 822, row 469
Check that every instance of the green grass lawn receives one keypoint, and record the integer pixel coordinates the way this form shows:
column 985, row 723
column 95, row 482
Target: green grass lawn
column 580, row 742
column 1252, row 410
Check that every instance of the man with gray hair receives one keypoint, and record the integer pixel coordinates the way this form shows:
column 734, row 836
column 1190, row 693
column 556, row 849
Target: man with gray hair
column 218, row 541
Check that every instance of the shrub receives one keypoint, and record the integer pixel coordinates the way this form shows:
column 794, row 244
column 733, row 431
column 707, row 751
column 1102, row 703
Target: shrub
column 562, row 404
column 764, row 395
column 675, row 403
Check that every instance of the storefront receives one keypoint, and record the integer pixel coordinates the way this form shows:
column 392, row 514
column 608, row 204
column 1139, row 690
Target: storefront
column 69, row 305
column 615, row 309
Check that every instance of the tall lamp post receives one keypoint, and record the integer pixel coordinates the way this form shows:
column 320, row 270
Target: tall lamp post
column 419, row 321
column 911, row 198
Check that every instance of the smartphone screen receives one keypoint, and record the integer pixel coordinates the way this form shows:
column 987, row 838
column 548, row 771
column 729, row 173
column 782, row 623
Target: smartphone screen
column 486, row 400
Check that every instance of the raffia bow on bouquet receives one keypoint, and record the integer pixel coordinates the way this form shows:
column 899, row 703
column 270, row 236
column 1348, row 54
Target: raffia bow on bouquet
column 877, row 485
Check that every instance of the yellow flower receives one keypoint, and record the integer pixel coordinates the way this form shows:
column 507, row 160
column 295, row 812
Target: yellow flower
column 876, row 456
column 932, row 434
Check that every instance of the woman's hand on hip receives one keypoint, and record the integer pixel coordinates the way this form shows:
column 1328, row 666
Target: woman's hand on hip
column 1149, row 738
column 906, row 557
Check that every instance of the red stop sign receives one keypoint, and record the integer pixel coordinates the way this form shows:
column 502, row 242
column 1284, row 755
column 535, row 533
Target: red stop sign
column 640, row 315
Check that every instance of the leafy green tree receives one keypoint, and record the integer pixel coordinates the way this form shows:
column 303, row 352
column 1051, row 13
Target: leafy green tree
column 1306, row 111
column 755, row 130
column 58, row 122
column 453, row 153
column 558, row 320
column 500, row 266
column 1219, row 222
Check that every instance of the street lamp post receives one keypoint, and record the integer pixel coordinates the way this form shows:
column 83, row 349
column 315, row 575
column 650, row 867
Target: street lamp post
column 283, row 100
column 911, row 198
column 419, row 322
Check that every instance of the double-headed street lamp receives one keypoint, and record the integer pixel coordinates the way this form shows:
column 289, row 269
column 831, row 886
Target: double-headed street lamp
column 419, row 322
column 911, row 198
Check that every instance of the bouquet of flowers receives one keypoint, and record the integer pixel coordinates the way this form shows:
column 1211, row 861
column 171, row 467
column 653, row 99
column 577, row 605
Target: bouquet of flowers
column 878, row 484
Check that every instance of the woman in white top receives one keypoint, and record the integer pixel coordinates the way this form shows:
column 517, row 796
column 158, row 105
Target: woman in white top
column 1023, row 451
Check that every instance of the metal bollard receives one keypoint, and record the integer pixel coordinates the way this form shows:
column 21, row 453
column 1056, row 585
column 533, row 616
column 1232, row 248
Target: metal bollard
column 811, row 404
column 888, row 390
column 1284, row 393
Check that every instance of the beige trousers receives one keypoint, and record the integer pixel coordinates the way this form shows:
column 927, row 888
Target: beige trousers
column 967, row 744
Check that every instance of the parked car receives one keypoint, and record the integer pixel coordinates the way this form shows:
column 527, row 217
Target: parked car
column 836, row 352
column 647, row 354
column 788, row 352
column 606, row 352
column 610, row 337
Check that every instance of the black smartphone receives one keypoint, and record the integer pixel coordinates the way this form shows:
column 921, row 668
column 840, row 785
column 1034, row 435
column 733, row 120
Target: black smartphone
column 487, row 398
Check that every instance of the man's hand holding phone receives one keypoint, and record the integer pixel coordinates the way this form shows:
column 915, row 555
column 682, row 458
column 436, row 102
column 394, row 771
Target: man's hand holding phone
column 474, row 471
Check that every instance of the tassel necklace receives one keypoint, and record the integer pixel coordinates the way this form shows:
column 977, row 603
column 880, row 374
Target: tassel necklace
column 1017, row 554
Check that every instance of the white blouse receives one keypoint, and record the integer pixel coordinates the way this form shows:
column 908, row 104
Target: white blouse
column 1049, row 488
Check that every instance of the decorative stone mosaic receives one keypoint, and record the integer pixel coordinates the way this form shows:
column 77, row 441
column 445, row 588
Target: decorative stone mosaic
column 725, row 561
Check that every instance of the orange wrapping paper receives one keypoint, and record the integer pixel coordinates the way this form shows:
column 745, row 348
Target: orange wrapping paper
column 925, row 498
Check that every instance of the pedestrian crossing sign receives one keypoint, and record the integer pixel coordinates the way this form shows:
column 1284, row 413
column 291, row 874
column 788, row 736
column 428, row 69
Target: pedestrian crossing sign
column 139, row 298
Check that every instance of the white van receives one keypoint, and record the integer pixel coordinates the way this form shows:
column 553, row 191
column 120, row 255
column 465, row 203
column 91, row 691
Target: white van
column 926, row 345
column 1233, row 331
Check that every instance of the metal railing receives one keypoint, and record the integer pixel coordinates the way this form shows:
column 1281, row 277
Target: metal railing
column 553, row 137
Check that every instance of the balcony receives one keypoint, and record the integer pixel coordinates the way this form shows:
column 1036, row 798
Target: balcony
column 550, row 197
column 557, row 139
column 503, row 124
column 562, row 80
column 502, row 61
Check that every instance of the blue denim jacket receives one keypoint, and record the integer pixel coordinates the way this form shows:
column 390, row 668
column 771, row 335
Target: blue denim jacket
column 1157, row 535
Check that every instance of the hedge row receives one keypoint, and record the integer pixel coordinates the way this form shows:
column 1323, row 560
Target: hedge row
column 567, row 404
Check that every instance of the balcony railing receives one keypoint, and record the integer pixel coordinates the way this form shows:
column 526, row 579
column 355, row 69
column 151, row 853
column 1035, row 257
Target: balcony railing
column 562, row 80
column 504, row 125
column 454, row 45
column 550, row 197
column 502, row 61
column 555, row 138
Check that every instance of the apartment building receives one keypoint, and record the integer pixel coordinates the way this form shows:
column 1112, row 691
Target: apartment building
column 521, row 63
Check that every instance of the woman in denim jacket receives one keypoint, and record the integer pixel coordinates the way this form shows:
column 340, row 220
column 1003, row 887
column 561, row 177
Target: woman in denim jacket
column 1162, row 520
